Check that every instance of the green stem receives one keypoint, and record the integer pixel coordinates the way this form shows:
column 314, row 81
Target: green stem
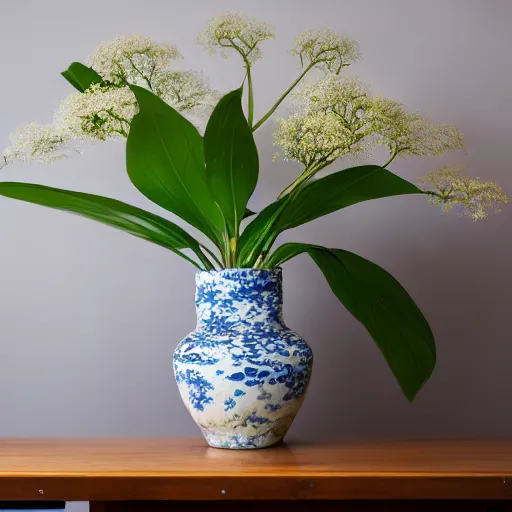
column 250, row 101
column 282, row 97
column 117, row 117
column 390, row 160
column 267, row 246
column 395, row 153
column 226, row 253
column 260, row 261
column 306, row 175
column 303, row 178
column 233, row 251
column 140, row 73
column 441, row 195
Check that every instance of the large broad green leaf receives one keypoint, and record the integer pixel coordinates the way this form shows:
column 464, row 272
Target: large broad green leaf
column 231, row 159
column 117, row 214
column 165, row 161
column 381, row 304
column 342, row 189
column 319, row 198
column 81, row 77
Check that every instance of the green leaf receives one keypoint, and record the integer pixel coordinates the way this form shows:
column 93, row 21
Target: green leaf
column 380, row 303
column 342, row 189
column 231, row 159
column 259, row 233
column 165, row 161
column 316, row 199
column 288, row 251
column 117, row 214
column 81, row 77
column 248, row 213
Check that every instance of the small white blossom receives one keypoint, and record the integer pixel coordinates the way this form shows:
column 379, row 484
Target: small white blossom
column 452, row 189
column 33, row 142
column 238, row 32
column 99, row 113
column 134, row 59
column 325, row 49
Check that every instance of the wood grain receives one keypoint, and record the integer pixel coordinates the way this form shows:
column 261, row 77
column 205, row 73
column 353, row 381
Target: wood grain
column 303, row 506
column 186, row 469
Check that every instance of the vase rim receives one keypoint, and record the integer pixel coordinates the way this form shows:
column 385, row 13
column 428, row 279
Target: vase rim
column 252, row 271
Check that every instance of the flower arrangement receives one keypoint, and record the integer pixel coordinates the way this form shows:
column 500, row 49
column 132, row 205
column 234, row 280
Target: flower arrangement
column 129, row 90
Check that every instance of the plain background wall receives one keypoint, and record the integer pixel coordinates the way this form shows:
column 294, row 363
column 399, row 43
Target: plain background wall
column 89, row 316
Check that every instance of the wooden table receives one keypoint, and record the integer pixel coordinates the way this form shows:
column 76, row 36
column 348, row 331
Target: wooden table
column 157, row 475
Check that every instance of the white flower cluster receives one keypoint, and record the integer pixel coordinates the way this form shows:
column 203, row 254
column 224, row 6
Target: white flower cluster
column 313, row 139
column 409, row 133
column 470, row 196
column 348, row 98
column 200, row 114
column 183, row 90
column 42, row 143
column 325, row 49
column 238, row 32
column 333, row 93
column 101, row 112
column 329, row 118
column 346, row 107
column 105, row 110
column 134, row 59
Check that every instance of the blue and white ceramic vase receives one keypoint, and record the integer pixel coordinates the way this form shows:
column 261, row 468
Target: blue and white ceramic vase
column 242, row 373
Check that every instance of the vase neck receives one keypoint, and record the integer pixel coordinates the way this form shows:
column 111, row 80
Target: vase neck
column 232, row 298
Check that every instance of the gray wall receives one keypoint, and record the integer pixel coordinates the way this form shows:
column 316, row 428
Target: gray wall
column 89, row 317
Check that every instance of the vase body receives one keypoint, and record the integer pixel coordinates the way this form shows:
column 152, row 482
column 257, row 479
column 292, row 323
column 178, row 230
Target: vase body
column 242, row 373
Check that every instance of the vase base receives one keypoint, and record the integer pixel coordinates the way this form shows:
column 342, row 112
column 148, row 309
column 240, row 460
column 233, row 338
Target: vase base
column 231, row 441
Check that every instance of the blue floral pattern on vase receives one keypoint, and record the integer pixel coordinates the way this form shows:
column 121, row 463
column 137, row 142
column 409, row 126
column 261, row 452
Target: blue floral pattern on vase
column 242, row 373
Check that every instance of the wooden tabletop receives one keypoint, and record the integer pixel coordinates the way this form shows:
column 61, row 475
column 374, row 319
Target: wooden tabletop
column 186, row 469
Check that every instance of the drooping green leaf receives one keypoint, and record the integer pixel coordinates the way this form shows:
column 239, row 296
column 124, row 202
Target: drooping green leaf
column 288, row 251
column 231, row 159
column 318, row 198
column 117, row 214
column 165, row 161
column 380, row 303
column 81, row 77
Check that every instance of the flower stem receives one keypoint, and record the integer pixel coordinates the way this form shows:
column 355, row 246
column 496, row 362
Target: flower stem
column 306, row 175
column 299, row 181
column 282, row 97
column 393, row 156
column 250, row 100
